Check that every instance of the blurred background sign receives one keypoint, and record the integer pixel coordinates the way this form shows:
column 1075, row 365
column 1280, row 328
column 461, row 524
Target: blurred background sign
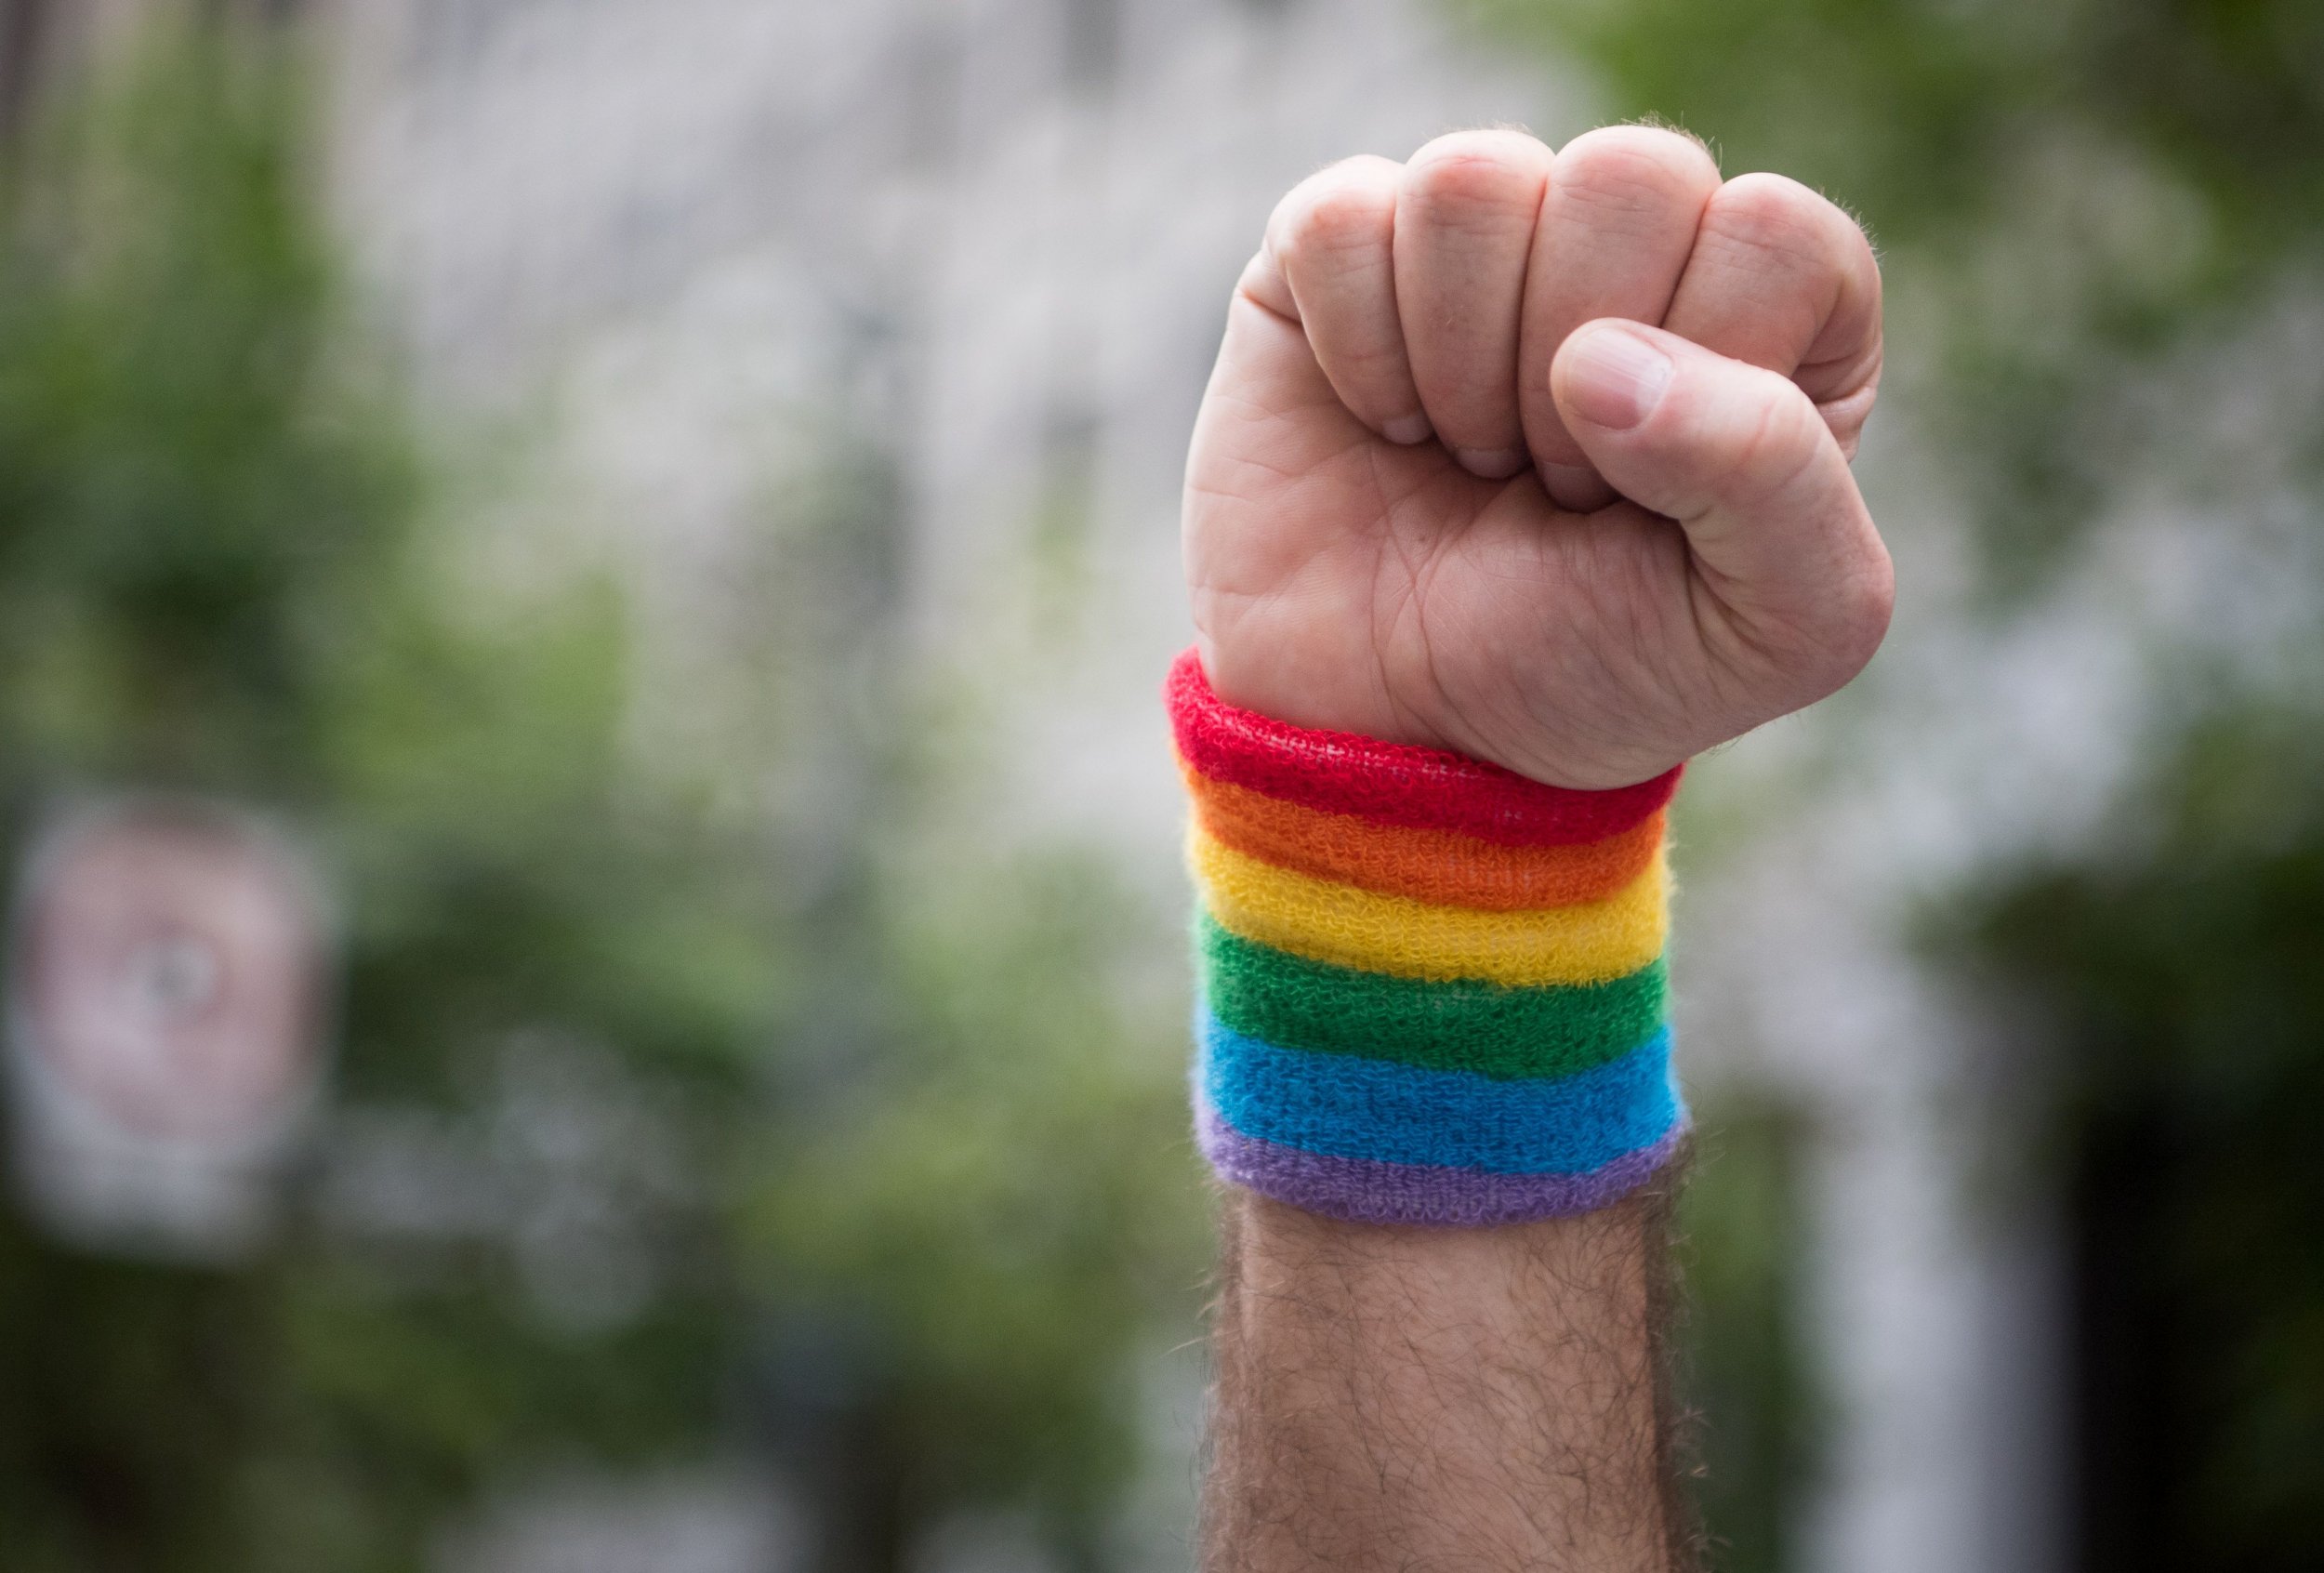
column 167, row 963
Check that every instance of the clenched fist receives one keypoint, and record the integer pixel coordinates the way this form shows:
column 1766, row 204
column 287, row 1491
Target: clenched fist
column 1541, row 457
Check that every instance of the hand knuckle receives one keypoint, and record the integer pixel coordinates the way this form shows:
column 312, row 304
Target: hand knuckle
column 1631, row 168
column 1830, row 635
column 1333, row 217
column 1477, row 174
column 1865, row 602
column 1763, row 191
column 1769, row 214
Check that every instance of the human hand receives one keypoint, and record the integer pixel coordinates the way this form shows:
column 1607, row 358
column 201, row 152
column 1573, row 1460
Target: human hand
column 1541, row 460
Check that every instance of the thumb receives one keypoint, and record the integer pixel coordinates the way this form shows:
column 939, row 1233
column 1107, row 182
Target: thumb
column 1740, row 457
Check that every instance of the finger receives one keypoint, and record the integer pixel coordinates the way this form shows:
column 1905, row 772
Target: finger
column 1741, row 458
column 1328, row 264
column 1465, row 218
column 1617, row 224
column 1783, row 279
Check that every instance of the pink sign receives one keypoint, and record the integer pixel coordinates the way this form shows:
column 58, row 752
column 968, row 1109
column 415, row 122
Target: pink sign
column 167, row 1006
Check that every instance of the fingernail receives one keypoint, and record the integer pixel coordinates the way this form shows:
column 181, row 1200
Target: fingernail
column 1493, row 464
column 1613, row 378
column 1408, row 429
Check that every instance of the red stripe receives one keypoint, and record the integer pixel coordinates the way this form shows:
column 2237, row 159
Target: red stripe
column 1392, row 782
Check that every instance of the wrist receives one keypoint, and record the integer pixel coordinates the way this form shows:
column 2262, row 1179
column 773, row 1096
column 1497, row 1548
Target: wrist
column 1433, row 990
column 1571, row 739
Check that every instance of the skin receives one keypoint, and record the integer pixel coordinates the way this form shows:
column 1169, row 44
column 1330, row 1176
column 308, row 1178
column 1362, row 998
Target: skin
column 1467, row 1398
column 1542, row 458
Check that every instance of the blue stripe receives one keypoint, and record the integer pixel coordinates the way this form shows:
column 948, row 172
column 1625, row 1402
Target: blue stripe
column 1343, row 1106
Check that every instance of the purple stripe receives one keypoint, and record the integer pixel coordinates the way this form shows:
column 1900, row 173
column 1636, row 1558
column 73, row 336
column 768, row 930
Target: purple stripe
column 1367, row 1190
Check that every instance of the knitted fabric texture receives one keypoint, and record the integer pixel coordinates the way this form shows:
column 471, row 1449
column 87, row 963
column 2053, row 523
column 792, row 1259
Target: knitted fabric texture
column 1433, row 990
column 1392, row 782
column 1324, row 921
column 1432, row 866
column 1467, row 1025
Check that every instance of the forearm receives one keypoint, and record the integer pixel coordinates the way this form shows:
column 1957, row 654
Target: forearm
column 1458, row 1399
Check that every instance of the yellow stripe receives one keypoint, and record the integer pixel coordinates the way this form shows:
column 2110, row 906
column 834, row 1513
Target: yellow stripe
column 1591, row 942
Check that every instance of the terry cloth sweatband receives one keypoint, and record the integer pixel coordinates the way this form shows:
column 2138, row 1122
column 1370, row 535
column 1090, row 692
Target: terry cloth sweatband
column 1432, row 990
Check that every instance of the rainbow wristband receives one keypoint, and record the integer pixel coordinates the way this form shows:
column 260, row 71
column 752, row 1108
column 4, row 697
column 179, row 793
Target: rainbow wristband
column 1432, row 990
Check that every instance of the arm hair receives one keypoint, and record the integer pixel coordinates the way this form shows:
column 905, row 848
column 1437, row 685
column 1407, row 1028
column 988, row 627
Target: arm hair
column 1444, row 1401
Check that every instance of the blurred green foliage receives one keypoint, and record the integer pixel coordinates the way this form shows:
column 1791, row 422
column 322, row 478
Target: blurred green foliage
column 863, row 1114
column 1748, row 1381
column 1922, row 116
column 993, row 1219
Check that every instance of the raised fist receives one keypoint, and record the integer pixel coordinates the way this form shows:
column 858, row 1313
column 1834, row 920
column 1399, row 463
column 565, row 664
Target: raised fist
column 1542, row 458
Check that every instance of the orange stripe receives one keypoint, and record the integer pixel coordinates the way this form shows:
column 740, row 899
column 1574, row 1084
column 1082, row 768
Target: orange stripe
column 1440, row 867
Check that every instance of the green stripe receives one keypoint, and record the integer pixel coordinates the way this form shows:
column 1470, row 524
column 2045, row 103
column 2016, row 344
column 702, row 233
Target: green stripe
column 1504, row 1033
